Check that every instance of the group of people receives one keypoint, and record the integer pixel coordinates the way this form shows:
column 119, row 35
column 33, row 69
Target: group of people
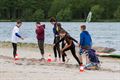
column 67, row 43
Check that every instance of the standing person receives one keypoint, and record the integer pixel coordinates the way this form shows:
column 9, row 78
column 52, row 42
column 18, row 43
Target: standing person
column 40, row 32
column 85, row 42
column 70, row 45
column 15, row 36
column 63, row 44
column 56, row 48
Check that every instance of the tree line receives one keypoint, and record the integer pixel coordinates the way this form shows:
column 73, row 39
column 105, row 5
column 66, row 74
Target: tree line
column 63, row 10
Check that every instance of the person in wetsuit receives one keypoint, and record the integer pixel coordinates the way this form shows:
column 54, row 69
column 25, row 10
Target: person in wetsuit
column 70, row 45
column 63, row 43
column 56, row 48
column 56, row 29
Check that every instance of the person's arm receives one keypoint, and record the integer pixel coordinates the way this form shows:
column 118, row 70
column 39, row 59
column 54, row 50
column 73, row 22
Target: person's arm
column 17, row 35
column 81, row 39
column 67, row 46
column 59, row 41
column 43, row 26
column 73, row 39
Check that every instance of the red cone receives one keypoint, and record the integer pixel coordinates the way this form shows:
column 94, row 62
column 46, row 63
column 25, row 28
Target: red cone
column 16, row 57
column 81, row 69
column 49, row 58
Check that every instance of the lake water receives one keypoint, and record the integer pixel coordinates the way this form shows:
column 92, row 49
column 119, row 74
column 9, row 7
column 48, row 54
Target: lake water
column 103, row 34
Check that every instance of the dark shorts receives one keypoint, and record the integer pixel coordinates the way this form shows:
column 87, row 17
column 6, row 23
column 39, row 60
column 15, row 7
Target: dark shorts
column 41, row 44
column 83, row 50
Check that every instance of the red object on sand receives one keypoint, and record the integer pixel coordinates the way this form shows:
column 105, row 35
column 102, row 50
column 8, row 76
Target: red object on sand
column 16, row 57
column 49, row 58
column 81, row 69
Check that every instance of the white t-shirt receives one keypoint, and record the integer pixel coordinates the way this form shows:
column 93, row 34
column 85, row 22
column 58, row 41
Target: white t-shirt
column 14, row 37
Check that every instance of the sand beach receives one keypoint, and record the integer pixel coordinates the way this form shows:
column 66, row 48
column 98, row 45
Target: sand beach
column 30, row 68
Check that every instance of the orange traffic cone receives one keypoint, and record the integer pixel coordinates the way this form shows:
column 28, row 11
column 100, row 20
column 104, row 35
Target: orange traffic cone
column 16, row 57
column 81, row 69
column 49, row 58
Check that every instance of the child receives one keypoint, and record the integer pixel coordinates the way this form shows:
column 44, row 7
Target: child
column 70, row 45
column 93, row 60
column 56, row 48
column 56, row 29
column 40, row 37
column 15, row 36
column 63, row 44
column 85, row 42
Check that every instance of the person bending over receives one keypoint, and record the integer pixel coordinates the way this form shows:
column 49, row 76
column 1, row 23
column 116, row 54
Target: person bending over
column 70, row 45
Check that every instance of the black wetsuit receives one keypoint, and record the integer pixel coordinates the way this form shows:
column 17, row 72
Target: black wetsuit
column 56, row 48
column 56, row 30
column 68, row 39
column 64, row 54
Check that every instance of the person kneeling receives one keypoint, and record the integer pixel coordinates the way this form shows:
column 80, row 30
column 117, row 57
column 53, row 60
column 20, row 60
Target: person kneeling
column 93, row 60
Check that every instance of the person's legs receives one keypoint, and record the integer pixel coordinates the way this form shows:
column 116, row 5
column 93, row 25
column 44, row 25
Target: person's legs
column 64, row 54
column 58, row 50
column 91, row 66
column 55, row 50
column 14, row 49
column 41, row 47
column 80, row 56
column 87, row 59
column 75, row 56
column 63, row 57
column 58, row 47
column 84, row 50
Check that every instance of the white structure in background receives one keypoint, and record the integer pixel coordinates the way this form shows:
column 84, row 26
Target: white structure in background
column 89, row 17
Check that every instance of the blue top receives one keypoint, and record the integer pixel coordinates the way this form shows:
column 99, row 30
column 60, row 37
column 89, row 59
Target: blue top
column 85, row 39
column 55, row 30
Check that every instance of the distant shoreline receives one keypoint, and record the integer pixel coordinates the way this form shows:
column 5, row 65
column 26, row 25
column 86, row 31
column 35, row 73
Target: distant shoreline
column 74, row 20
column 34, row 45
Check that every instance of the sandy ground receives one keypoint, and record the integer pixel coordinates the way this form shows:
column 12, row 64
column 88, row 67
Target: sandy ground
column 29, row 67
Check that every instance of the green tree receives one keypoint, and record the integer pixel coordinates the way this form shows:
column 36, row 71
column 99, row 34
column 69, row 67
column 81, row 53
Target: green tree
column 97, row 11
column 78, row 9
column 109, row 7
column 117, row 13
column 45, row 5
column 64, row 15
column 27, row 14
column 60, row 15
column 38, row 15
column 56, row 6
